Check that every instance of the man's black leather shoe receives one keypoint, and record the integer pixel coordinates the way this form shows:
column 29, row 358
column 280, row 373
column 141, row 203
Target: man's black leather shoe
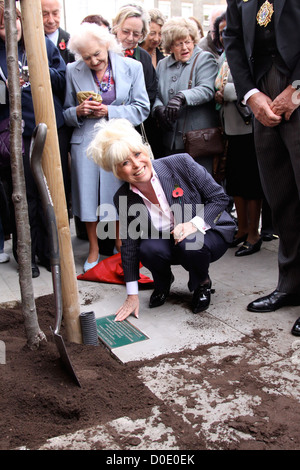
column 201, row 298
column 296, row 328
column 158, row 297
column 273, row 301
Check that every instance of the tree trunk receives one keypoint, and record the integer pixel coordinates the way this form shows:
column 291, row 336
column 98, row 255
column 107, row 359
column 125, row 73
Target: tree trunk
column 33, row 331
column 36, row 53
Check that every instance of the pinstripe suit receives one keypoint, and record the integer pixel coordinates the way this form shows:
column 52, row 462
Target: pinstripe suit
column 199, row 188
column 278, row 148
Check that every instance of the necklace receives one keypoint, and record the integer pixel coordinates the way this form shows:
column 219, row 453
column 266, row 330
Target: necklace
column 106, row 86
column 265, row 14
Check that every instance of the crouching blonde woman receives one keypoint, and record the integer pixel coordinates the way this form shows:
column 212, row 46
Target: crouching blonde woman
column 171, row 212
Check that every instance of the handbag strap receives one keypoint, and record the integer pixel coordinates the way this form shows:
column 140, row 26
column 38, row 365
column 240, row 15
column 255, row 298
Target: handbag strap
column 190, row 82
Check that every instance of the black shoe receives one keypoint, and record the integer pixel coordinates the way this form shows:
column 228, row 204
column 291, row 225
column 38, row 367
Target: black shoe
column 296, row 328
column 158, row 297
column 236, row 241
column 273, row 302
column 201, row 298
column 248, row 249
column 268, row 237
column 35, row 270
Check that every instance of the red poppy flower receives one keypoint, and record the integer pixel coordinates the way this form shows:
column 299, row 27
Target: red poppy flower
column 177, row 192
column 62, row 45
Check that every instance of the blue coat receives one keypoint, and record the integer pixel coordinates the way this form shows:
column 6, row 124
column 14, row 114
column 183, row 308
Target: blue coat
column 57, row 69
column 89, row 182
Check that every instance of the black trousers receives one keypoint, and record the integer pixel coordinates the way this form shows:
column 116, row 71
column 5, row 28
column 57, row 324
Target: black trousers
column 278, row 154
column 194, row 253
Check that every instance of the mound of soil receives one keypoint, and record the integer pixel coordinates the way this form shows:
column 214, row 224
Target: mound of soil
column 40, row 400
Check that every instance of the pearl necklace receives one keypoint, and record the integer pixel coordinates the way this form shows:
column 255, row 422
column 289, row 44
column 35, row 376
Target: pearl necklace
column 106, row 87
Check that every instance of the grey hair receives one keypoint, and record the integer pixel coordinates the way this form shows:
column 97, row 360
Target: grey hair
column 113, row 142
column 176, row 29
column 87, row 31
column 156, row 16
column 132, row 11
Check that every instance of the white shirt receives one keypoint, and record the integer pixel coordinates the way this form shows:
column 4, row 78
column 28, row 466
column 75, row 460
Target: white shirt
column 53, row 37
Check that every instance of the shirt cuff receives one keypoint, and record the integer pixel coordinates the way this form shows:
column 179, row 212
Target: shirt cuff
column 132, row 288
column 200, row 224
column 248, row 94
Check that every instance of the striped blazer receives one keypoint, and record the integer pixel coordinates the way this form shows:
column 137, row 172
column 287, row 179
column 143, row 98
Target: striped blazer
column 201, row 196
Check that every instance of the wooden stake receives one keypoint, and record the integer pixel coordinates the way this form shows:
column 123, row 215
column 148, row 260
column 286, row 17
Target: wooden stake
column 36, row 52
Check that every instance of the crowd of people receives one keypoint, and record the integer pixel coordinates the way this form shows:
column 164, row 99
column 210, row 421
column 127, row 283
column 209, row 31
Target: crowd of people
column 147, row 75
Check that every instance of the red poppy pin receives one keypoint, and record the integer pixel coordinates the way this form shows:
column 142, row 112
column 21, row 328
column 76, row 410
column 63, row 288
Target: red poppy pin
column 178, row 192
column 62, row 45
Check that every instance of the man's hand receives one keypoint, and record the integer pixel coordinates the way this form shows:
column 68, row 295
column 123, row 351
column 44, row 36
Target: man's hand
column 260, row 105
column 284, row 104
column 131, row 305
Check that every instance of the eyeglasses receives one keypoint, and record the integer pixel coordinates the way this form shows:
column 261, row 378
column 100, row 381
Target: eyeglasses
column 135, row 34
column 180, row 45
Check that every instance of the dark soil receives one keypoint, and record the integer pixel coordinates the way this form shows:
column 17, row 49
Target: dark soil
column 40, row 400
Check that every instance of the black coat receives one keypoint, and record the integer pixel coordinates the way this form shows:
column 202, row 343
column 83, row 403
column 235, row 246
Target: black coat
column 240, row 34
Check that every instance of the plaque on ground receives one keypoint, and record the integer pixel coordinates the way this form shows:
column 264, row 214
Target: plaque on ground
column 118, row 333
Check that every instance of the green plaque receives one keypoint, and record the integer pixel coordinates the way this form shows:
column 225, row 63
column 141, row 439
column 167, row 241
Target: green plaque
column 118, row 333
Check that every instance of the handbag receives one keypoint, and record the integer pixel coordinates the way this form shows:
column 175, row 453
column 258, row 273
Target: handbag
column 244, row 111
column 203, row 142
column 145, row 141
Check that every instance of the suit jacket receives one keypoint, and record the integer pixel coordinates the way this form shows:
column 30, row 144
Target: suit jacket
column 66, row 54
column 199, row 111
column 199, row 188
column 240, row 34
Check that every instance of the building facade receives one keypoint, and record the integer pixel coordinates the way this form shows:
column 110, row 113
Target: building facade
column 75, row 10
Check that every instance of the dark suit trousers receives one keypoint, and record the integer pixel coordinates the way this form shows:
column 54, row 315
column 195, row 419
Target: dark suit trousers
column 158, row 255
column 278, row 153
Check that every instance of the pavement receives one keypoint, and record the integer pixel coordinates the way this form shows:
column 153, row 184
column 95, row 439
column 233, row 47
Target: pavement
column 227, row 328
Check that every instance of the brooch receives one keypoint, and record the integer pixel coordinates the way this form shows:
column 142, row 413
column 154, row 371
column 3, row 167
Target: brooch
column 265, row 14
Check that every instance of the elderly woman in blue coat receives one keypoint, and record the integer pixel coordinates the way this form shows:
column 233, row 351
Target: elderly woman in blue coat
column 177, row 108
column 100, row 69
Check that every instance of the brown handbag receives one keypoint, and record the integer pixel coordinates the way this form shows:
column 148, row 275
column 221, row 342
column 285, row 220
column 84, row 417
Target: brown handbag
column 203, row 142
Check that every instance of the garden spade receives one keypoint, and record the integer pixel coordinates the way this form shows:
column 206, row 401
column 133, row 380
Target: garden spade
column 36, row 150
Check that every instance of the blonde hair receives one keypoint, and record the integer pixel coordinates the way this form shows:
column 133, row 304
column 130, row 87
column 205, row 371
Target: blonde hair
column 132, row 11
column 87, row 31
column 176, row 29
column 113, row 142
